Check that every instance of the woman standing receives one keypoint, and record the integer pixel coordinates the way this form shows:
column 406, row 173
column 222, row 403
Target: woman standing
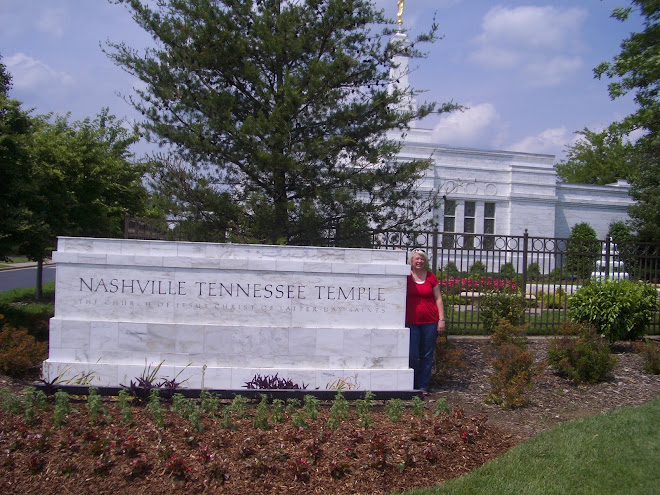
column 425, row 317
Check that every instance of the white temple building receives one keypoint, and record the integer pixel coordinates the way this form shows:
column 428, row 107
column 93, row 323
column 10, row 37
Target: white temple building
column 505, row 192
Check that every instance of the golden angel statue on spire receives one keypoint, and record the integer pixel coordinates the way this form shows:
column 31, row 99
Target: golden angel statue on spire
column 399, row 13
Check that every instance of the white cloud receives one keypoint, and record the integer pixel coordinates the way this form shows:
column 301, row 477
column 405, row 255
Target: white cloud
column 636, row 134
column 550, row 141
column 540, row 28
column 471, row 126
column 52, row 21
column 29, row 73
column 496, row 56
column 541, row 42
column 552, row 72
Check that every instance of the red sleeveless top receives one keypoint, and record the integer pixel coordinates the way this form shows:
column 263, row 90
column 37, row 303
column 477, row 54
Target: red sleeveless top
column 420, row 302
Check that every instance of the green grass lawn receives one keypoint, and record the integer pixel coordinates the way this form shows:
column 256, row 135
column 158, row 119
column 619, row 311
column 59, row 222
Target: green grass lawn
column 20, row 310
column 614, row 453
column 27, row 294
column 466, row 322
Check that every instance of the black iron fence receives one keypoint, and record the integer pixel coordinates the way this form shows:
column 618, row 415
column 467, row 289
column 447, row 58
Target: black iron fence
column 546, row 270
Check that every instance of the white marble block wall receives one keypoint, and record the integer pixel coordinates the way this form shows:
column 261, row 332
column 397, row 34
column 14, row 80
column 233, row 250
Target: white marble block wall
column 215, row 315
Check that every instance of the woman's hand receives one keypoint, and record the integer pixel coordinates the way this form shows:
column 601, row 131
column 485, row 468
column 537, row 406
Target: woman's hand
column 441, row 326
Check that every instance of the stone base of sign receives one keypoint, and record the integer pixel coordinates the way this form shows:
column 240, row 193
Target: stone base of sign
column 216, row 315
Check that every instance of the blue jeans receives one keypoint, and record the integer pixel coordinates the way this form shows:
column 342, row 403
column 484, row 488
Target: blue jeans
column 422, row 347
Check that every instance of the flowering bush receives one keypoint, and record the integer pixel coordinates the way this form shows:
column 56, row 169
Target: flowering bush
column 456, row 285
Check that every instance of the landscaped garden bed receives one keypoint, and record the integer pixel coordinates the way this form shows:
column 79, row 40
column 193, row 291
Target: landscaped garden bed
column 244, row 448
column 232, row 455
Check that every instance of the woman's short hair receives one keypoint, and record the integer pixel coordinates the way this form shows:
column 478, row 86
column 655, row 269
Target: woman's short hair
column 420, row 252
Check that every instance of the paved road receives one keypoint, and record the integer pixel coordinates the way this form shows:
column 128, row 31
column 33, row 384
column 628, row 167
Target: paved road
column 24, row 277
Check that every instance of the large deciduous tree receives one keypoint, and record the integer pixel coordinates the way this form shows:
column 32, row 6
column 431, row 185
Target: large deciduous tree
column 636, row 69
column 15, row 133
column 284, row 107
column 598, row 158
column 82, row 181
column 60, row 178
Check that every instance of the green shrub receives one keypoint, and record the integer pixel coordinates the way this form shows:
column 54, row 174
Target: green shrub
column 619, row 231
column 496, row 305
column 507, row 270
column 10, row 402
column 450, row 270
column 477, row 270
column 557, row 300
column 558, row 274
column 650, row 352
column 19, row 351
column 619, row 309
column 513, row 364
column 533, row 271
column 507, row 333
column 583, row 250
column 34, row 317
column 580, row 355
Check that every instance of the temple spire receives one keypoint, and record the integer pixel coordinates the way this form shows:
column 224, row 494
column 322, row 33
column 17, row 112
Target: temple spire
column 399, row 73
column 399, row 13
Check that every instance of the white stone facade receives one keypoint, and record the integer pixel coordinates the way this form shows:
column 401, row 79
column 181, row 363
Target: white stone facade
column 520, row 188
column 216, row 315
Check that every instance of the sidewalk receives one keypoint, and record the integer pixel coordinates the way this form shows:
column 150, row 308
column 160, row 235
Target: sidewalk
column 27, row 264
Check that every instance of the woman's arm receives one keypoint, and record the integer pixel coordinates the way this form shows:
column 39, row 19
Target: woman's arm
column 441, row 308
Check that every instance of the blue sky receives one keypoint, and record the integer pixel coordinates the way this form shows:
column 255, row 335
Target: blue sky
column 524, row 69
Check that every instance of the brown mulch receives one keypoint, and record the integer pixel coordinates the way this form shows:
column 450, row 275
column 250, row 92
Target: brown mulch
column 553, row 399
column 383, row 457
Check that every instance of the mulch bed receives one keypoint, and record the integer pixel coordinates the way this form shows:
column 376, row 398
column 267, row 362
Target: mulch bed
column 384, row 457
column 139, row 458
column 552, row 400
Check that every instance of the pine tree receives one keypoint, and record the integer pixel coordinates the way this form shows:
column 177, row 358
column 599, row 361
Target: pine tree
column 285, row 106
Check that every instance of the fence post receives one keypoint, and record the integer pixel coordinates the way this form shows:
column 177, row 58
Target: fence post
column 607, row 256
column 434, row 247
column 524, row 266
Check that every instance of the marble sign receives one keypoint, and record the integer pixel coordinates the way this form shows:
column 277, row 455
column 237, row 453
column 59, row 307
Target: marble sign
column 216, row 315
